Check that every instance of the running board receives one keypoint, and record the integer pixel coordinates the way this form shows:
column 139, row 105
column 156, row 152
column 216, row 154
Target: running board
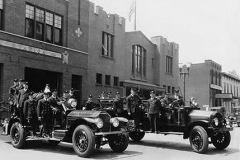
column 174, row 133
column 165, row 133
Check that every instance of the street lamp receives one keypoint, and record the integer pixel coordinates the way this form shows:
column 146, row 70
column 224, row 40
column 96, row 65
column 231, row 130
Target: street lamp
column 184, row 71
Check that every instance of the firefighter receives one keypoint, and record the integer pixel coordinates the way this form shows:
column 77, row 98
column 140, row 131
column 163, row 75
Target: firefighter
column 13, row 92
column 71, row 93
column 22, row 97
column 153, row 107
column 30, row 112
column 118, row 105
column 56, row 106
column 45, row 114
column 89, row 104
column 133, row 103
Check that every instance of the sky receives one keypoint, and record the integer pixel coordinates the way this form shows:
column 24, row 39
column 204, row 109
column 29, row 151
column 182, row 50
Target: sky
column 204, row 29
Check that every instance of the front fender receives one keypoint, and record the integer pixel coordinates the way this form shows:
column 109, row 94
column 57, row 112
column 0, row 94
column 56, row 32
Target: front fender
column 189, row 127
column 10, row 123
column 122, row 119
column 91, row 120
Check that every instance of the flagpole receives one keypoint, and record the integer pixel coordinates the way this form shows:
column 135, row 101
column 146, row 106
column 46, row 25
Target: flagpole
column 135, row 18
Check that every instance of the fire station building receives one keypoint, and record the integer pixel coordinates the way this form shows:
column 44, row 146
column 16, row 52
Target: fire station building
column 44, row 42
column 75, row 44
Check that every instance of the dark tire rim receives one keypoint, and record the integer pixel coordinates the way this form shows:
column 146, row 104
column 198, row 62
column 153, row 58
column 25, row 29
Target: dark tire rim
column 15, row 135
column 220, row 138
column 118, row 140
column 197, row 140
column 81, row 141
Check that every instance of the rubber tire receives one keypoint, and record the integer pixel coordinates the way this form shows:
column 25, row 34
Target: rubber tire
column 53, row 142
column 90, row 141
column 22, row 139
column 204, row 136
column 136, row 136
column 222, row 141
column 119, row 142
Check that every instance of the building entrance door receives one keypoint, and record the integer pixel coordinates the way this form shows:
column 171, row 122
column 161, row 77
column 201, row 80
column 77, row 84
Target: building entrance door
column 38, row 79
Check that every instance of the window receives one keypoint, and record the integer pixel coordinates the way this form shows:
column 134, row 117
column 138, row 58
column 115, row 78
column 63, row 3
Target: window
column 165, row 89
column 173, row 90
column 107, row 80
column 211, row 75
column 224, row 88
column 49, row 27
column 1, row 14
column 58, row 29
column 115, row 81
column 39, row 24
column 169, row 64
column 29, row 21
column 107, row 45
column 99, row 78
column 169, row 89
column 43, row 25
column 138, row 61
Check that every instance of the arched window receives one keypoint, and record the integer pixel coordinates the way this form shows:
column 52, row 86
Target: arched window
column 138, row 61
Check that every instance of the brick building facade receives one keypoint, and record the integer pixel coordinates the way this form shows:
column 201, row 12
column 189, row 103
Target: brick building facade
column 203, row 83
column 44, row 42
column 231, row 92
column 77, row 44
column 119, row 60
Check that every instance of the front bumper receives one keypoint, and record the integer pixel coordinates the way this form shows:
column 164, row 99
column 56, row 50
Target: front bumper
column 108, row 133
column 225, row 129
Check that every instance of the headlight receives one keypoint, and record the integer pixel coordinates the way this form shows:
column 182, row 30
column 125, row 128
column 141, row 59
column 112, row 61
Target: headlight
column 73, row 103
column 115, row 122
column 216, row 122
column 99, row 123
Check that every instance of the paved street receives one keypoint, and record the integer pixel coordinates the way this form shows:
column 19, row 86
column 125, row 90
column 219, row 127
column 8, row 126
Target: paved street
column 152, row 147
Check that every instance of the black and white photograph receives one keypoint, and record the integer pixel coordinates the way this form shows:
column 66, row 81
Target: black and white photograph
column 111, row 79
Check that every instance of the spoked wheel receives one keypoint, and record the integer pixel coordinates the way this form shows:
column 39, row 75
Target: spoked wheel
column 199, row 139
column 119, row 142
column 136, row 136
column 83, row 141
column 221, row 140
column 17, row 135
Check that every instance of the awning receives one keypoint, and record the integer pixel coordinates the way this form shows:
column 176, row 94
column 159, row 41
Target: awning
column 144, row 85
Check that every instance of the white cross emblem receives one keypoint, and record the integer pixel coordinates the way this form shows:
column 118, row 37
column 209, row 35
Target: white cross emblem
column 78, row 32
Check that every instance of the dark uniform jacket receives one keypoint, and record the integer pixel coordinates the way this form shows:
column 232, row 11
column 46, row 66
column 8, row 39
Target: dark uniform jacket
column 13, row 93
column 153, row 106
column 44, row 109
column 165, row 102
column 118, row 105
column 30, row 109
column 54, row 102
column 23, row 96
column 18, row 88
column 133, row 102
column 72, row 96
column 90, row 105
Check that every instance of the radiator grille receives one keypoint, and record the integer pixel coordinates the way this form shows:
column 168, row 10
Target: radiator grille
column 106, row 122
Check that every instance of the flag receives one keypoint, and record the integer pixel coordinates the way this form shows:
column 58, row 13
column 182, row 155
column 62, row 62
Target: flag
column 132, row 10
